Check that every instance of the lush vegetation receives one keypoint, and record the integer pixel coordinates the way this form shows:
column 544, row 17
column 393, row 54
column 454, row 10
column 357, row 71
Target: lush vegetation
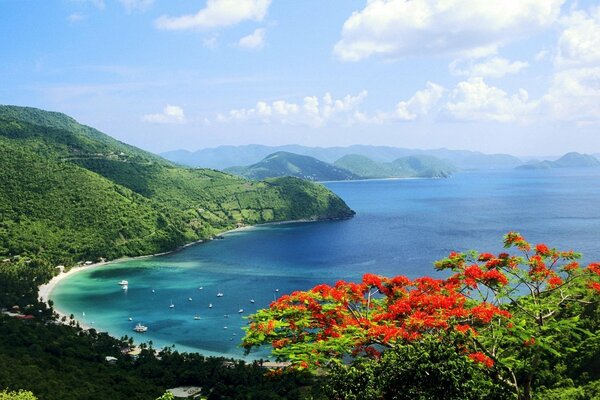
column 70, row 193
column 62, row 362
column 289, row 164
column 420, row 166
column 528, row 324
column 569, row 160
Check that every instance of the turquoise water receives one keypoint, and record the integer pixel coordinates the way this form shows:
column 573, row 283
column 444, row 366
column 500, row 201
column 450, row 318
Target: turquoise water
column 401, row 227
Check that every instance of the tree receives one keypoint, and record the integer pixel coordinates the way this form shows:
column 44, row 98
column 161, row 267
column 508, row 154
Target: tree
column 20, row 395
column 511, row 310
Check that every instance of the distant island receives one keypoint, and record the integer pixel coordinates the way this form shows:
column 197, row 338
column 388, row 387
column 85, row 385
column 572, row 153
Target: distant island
column 349, row 167
column 223, row 157
column 569, row 160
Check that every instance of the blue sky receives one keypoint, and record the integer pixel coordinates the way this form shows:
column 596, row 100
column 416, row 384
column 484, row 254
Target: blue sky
column 514, row 76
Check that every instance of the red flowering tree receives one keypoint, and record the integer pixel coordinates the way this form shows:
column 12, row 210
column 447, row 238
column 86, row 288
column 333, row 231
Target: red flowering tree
column 510, row 309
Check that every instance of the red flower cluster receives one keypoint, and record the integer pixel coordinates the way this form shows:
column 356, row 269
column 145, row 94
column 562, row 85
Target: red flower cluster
column 350, row 318
column 481, row 358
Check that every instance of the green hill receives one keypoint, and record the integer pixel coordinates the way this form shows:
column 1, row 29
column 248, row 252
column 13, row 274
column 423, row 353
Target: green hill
column 569, row 160
column 71, row 193
column 289, row 164
column 420, row 166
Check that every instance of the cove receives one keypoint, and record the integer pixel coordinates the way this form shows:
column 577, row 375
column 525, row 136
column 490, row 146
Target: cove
column 401, row 227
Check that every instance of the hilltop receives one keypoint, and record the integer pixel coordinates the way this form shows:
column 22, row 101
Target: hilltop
column 72, row 193
column 284, row 163
column 569, row 160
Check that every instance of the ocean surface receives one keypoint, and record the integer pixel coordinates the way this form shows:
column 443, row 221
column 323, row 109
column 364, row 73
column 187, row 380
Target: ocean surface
column 401, row 227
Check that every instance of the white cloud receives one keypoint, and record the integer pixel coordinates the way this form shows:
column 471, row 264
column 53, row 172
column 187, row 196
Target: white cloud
column 217, row 13
column 579, row 42
column 494, row 67
column 170, row 115
column 574, row 96
column 255, row 40
column 76, row 17
column 136, row 5
column 312, row 111
column 397, row 28
column 420, row 103
column 474, row 100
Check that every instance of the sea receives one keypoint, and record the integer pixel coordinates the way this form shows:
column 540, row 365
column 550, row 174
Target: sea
column 401, row 227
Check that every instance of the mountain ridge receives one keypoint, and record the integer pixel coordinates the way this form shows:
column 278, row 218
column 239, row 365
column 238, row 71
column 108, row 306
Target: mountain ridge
column 569, row 160
column 71, row 193
column 227, row 156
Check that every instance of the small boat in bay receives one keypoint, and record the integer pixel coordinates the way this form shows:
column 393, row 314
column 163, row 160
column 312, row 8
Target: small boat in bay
column 196, row 317
column 140, row 328
column 123, row 282
column 210, row 305
column 172, row 305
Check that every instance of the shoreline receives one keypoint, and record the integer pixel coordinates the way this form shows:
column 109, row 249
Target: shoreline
column 45, row 290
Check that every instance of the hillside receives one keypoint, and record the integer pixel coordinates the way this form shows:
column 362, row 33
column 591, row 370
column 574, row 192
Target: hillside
column 71, row 193
column 404, row 167
column 569, row 160
column 227, row 156
column 289, row 164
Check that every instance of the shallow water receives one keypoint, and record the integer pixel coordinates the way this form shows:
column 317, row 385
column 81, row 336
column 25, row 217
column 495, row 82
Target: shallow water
column 401, row 227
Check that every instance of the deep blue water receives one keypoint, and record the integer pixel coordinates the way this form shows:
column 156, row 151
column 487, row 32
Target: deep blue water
column 401, row 227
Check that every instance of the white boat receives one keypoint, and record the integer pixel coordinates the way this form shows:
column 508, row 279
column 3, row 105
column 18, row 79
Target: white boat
column 210, row 305
column 276, row 290
column 153, row 291
column 124, row 287
column 220, row 294
column 172, row 305
column 196, row 317
column 189, row 299
column 131, row 319
column 252, row 301
column 224, row 327
column 123, row 282
column 241, row 310
column 140, row 328
column 201, row 287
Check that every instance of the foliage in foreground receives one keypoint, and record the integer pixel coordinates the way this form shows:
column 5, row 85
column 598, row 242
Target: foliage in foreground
column 18, row 395
column 517, row 315
column 59, row 362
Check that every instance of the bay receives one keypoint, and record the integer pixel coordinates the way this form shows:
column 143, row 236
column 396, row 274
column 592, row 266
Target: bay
column 401, row 227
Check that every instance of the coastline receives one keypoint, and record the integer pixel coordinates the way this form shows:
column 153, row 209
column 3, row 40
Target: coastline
column 45, row 290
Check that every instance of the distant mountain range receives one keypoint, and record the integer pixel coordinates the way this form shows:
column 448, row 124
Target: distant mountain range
column 228, row 156
column 348, row 167
column 569, row 160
